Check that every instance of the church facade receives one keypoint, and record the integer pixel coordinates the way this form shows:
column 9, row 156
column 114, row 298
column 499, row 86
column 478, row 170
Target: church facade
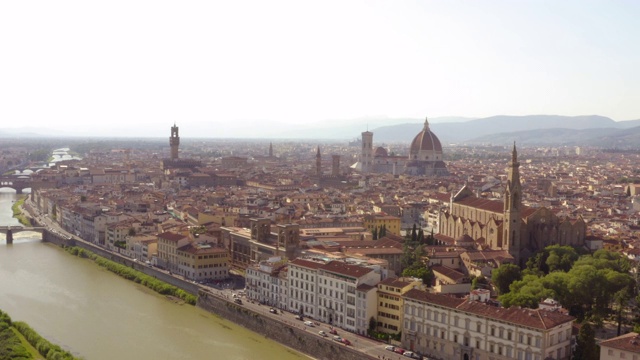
column 425, row 156
column 507, row 225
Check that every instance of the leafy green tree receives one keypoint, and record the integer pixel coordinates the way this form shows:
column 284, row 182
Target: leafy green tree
column 586, row 347
column 479, row 282
column 525, row 293
column 503, row 276
column 431, row 239
column 372, row 324
column 420, row 271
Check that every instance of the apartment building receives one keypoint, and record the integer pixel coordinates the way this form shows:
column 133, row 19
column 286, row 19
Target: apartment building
column 267, row 282
column 168, row 244
column 200, row 261
column 390, row 303
column 471, row 329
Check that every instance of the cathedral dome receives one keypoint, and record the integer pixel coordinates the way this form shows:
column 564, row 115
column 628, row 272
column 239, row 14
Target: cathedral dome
column 380, row 151
column 426, row 145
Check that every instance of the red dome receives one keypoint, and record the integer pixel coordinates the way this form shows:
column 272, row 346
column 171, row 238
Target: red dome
column 425, row 141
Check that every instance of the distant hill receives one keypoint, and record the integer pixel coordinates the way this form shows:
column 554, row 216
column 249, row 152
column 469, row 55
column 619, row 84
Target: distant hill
column 542, row 129
column 601, row 137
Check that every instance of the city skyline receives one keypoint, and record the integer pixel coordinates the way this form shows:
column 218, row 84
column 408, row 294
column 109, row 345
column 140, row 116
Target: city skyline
column 249, row 67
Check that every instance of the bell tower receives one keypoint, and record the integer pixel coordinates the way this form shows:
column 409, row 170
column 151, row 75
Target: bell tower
column 512, row 241
column 366, row 157
column 318, row 163
column 174, row 142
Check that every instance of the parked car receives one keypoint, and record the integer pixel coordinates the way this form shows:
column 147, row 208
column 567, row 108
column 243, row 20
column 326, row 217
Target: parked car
column 322, row 333
column 337, row 338
column 333, row 331
column 399, row 350
column 238, row 301
column 408, row 354
column 346, row 342
column 390, row 347
column 273, row 311
column 299, row 317
column 309, row 323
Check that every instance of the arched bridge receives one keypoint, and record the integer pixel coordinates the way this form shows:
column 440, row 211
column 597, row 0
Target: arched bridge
column 18, row 183
column 10, row 230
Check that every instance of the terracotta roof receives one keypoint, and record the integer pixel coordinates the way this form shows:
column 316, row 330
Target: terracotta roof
column 532, row 318
column 441, row 300
column 627, row 342
column 345, row 269
column 395, row 282
column 171, row 236
column 448, row 272
column 306, row 263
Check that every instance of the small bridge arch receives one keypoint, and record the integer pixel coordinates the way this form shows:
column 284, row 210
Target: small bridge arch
column 16, row 183
column 9, row 231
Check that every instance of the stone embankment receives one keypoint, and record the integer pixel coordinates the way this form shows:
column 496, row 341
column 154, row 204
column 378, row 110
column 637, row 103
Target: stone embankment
column 289, row 334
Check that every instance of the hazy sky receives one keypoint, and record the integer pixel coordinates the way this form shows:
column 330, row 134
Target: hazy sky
column 244, row 64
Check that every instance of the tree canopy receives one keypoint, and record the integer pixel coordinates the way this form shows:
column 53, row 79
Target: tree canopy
column 587, row 287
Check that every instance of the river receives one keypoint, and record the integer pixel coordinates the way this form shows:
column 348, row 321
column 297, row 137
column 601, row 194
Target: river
column 98, row 315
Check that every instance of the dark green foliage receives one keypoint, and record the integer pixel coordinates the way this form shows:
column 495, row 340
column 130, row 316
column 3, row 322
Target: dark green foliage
column 586, row 289
column 586, row 347
column 479, row 282
column 45, row 348
column 375, row 233
column 552, row 258
column 372, row 324
column 503, row 276
column 420, row 271
column 10, row 345
column 130, row 274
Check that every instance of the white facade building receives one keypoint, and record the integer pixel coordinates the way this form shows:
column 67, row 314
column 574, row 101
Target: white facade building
column 466, row 329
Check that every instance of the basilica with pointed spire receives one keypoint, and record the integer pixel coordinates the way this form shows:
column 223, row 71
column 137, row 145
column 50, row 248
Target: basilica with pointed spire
column 425, row 156
column 508, row 226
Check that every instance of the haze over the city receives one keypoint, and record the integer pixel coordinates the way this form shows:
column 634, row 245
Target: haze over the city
column 133, row 68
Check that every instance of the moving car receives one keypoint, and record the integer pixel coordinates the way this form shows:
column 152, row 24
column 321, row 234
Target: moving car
column 322, row 333
column 309, row 323
column 333, row 331
column 273, row 311
column 299, row 317
column 238, row 301
column 337, row 338
column 346, row 342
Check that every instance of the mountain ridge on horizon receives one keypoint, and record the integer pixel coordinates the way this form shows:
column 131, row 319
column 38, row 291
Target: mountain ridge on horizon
column 450, row 130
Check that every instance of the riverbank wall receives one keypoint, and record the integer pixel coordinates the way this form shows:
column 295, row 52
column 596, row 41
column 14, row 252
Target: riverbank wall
column 63, row 240
column 292, row 334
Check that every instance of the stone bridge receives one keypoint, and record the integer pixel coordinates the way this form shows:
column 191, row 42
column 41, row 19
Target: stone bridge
column 10, row 230
column 17, row 183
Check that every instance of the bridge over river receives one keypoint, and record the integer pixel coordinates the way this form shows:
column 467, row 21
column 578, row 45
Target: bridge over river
column 10, row 230
column 18, row 183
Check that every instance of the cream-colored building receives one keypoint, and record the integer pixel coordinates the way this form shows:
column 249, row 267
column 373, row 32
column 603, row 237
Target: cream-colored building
column 625, row 347
column 390, row 303
column 168, row 244
column 200, row 261
column 470, row 329
column 376, row 221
